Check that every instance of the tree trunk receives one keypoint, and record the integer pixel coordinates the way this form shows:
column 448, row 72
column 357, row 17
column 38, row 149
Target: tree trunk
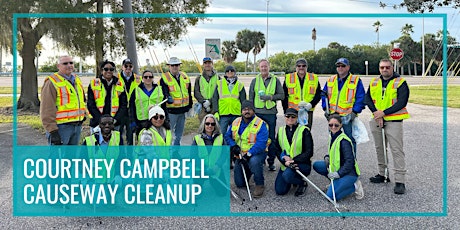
column 99, row 38
column 28, row 100
column 254, row 65
column 408, row 68
column 247, row 60
column 415, row 69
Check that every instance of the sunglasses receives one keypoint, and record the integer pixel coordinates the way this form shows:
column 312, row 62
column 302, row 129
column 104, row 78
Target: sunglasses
column 156, row 117
column 231, row 70
column 210, row 124
column 290, row 116
column 109, row 69
column 66, row 63
column 301, row 66
column 385, row 67
column 129, row 66
column 148, row 76
column 335, row 125
column 175, row 65
column 340, row 66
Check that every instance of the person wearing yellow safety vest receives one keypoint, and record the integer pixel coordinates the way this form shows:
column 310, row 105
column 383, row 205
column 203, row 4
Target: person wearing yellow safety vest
column 387, row 99
column 294, row 144
column 63, row 109
column 106, row 95
column 302, row 90
column 345, row 95
column 248, row 137
column 340, row 165
column 210, row 136
column 177, row 85
column 130, row 81
column 205, row 85
column 227, row 98
column 146, row 95
column 104, row 145
column 264, row 91
column 159, row 132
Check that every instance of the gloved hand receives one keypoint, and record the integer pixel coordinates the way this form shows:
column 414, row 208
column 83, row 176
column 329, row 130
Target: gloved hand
column 265, row 97
column 207, row 105
column 326, row 160
column 55, row 138
column 170, row 100
column 305, row 105
column 247, row 156
column 333, row 175
column 352, row 116
column 235, row 150
column 326, row 115
column 346, row 119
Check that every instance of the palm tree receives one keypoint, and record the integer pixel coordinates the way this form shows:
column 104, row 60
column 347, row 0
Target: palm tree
column 229, row 51
column 407, row 29
column 245, row 43
column 377, row 26
column 259, row 44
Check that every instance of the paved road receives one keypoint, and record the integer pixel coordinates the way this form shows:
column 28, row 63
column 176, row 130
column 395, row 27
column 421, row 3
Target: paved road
column 423, row 145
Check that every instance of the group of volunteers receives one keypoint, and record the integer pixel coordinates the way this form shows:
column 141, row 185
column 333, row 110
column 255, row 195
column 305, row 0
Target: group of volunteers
column 154, row 113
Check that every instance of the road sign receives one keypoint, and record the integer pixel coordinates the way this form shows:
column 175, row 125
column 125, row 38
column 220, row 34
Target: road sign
column 396, row 54
column 212, row 48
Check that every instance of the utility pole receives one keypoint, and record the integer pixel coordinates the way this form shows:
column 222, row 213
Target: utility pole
column 313, row 37
column 266, row 39
column 130, row 35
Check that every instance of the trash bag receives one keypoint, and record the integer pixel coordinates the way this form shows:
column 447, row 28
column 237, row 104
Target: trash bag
column 303, row 116
column 197, row 107
column 359, row 131
column 146, row 138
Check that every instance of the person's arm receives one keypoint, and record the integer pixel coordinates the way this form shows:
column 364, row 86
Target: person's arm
column 48, row 107
column 251, row 89
column 190, row 99
column 122, row 112
column 369, row 102
column 278, row 149
column 261, row 141
column 346, row 152
column 324, row 98
column 402, row 99
column 279, row 92
column 92, row 108
column 242, row 96
column 215, row 101
column 317, row 96
column 285, row 100
column 196, row 91
column 307, row 148
column 358, row 106
column 228, row 137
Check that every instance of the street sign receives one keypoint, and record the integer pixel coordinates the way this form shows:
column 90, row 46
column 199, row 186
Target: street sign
column 396, row 54
column 212, row 48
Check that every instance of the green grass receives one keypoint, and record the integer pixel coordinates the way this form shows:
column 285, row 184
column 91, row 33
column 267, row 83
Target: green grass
column 6, row 102
column 9, row 90
column 432, row 95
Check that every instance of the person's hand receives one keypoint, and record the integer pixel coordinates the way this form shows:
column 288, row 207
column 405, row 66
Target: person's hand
column 379, row 122
column 333, row 175
column 55, row 138
column 170, row 100
column 207, row 105
column 352, row 116
column 346, row 119
column 235, row 150
column 265, row 97
column 378, row 114
column 326, row 115
column 247, row 156
column 326, row 160
column 305, row 105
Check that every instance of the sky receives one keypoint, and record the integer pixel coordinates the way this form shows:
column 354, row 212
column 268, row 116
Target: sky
column 293, row 34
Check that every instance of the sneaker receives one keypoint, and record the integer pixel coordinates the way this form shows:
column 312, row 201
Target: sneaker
column 359, row 191
column 400, row 188
column 301, row 190
column 271, row 167
column 259, row 191
column 378, row 179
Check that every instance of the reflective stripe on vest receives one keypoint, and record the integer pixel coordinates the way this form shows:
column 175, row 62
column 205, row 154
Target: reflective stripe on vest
column 249, row 135
column 342, row 101
column 229, row 102
column 100, row 93
column 295, row 148
column 334, row 153
column 70, row 100
column 207, row 88
column 296, row 93
column 179, row 93
column 97, row 153
column 144, row 102
column 388, row 99
column 269, row 90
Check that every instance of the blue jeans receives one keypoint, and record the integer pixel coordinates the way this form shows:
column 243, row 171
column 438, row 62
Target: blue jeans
column 70, row 134
column 343, row 186
column 177, row 126
column 286, row 178
column 348, row 130
column 270, row 119
column 225, row 121
column 254, row 166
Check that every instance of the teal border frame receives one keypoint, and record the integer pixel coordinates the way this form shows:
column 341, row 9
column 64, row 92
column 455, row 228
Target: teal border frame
column 444, row 212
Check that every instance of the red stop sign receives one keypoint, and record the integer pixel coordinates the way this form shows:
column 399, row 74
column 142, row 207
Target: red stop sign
column 396, row 54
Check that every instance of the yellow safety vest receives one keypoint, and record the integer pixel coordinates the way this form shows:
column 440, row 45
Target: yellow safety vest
column 96, row 153
column 207, row 88
column 143, row 102
column 296, row 93
column 156, row 137
column 388, row 99
column 342, row 101
column 249, row 135
column 211, row 157
column 100, row 93
column 70, row 100
column 295, row 148
column 334, row 153
column 269, row 90
column 132, row 87
column 229, row 102
column 179, row 93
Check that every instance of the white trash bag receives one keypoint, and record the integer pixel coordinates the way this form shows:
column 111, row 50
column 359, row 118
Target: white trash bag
column 303, row 116
column 359, row 131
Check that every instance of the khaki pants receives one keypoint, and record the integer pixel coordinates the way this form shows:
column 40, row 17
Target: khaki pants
column 394, row 142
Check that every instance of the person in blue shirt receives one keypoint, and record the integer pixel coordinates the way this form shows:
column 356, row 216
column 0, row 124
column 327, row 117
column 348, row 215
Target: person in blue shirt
column 248, row 137
column 344, row 94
